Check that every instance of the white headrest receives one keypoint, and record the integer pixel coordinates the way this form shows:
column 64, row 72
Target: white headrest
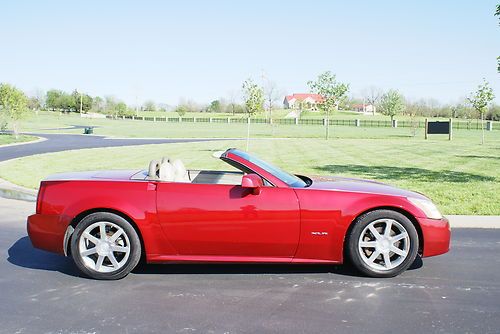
column 181, row 174
column 154, row 167
column 167, row 172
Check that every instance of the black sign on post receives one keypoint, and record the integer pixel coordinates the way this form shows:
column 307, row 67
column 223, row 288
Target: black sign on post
column 439, row 128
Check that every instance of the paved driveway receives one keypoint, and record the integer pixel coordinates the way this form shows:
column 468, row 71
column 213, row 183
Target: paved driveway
column 64, row 142
column 42, row 293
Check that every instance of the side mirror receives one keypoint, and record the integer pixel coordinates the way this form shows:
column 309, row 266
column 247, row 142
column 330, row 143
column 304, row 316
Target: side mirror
column 253, row 182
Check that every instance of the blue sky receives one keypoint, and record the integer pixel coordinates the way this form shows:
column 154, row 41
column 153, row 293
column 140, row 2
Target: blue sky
column 202, row 50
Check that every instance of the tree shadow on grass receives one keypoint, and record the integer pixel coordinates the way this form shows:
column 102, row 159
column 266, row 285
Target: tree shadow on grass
column 479, row 157
column 404, row 173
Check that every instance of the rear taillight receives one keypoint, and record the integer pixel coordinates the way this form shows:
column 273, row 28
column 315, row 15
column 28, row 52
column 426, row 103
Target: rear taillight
column 39, row 198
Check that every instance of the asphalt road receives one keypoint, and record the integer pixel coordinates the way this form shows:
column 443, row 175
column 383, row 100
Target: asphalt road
column 42, row 293
column 64, row 142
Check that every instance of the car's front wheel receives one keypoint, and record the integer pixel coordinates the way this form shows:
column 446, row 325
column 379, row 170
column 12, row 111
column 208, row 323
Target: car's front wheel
column 382, row 243
column 105, row 246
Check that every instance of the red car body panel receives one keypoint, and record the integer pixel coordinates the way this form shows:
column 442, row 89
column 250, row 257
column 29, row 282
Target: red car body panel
column 228, row 220
column 192, row 222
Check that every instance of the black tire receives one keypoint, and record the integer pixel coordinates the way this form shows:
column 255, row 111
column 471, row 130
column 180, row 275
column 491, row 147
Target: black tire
column 358, row 259
column 134, row 254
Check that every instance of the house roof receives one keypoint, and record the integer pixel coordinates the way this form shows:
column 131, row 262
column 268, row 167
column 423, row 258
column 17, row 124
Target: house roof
column 303, row 96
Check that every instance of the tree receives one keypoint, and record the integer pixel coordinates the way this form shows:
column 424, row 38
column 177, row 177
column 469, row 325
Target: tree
column 272, row 94
column 254, row 98
column 494, row 113
column 331, row 92
column 254, row 102
column 181, row 109
column 98, row 105
column 121, row 109
column 215, row 106
column 53, row 99
column 497, row 13
column 480, row 100
column 109, row 104
column 149, row 106
column 392, row 103
column 372, row 96
column 36, row 102
column 80, row 102
column 33, row 103
column 232, row 101
column 13, row 104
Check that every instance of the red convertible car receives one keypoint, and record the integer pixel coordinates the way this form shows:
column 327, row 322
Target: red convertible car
column 108, row 220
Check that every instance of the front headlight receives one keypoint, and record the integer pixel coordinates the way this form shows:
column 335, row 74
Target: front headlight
column 429, row 208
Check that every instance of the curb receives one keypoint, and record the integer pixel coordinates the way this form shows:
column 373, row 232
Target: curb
column 40, row 139
column 460, row 221
column 7, row 185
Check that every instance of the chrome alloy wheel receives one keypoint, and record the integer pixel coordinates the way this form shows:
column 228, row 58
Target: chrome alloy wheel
column 104, row 247
column 384, row 244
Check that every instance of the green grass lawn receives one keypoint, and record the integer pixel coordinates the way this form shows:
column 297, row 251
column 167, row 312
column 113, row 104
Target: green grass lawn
column 11, row 139
column 461, row 176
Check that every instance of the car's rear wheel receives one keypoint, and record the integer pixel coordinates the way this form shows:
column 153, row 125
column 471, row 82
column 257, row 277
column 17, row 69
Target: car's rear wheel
column 105, row 246
column 382, row 243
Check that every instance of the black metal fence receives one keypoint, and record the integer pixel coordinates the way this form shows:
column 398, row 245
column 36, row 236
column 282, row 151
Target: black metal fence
column 457, row 124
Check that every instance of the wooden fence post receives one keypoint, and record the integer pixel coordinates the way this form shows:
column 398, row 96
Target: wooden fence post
column 450, row 136
column 426, row 127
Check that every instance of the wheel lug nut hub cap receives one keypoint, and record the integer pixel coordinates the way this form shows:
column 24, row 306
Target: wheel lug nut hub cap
column 103, row 248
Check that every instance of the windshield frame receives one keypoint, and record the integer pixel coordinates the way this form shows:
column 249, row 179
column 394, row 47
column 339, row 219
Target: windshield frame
column 273, row 174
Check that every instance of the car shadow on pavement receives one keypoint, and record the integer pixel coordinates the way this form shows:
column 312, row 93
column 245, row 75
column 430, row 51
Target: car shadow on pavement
column 273, row 268
column 23, row 254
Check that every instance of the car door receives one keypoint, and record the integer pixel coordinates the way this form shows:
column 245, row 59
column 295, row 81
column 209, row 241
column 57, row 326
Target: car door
column 229, row 220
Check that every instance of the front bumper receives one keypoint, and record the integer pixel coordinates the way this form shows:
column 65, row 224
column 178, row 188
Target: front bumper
column 47, row 232
column 436, row 234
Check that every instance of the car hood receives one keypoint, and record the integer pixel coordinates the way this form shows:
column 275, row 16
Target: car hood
column 360, row 185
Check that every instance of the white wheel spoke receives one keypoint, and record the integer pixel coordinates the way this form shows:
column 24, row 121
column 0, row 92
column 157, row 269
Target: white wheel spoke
column 121, row 249
column 399, row 237
column 398, row 251
column 374, row 232
column 90, row 237
column 98, row 264
column 112, row 258
column 387, row 261
column 102, row 231
column 374, row 256
column 368, row 244
column 388, row 227
column 380, row 250
column 115, row 248
column 116, row 235
column 89, row 251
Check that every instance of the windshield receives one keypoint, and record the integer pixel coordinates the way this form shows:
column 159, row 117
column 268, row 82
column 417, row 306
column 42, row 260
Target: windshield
column 290, row 179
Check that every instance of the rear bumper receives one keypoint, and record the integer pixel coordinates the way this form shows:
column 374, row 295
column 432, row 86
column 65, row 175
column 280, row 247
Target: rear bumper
column 47, row 232
column 436, row 234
